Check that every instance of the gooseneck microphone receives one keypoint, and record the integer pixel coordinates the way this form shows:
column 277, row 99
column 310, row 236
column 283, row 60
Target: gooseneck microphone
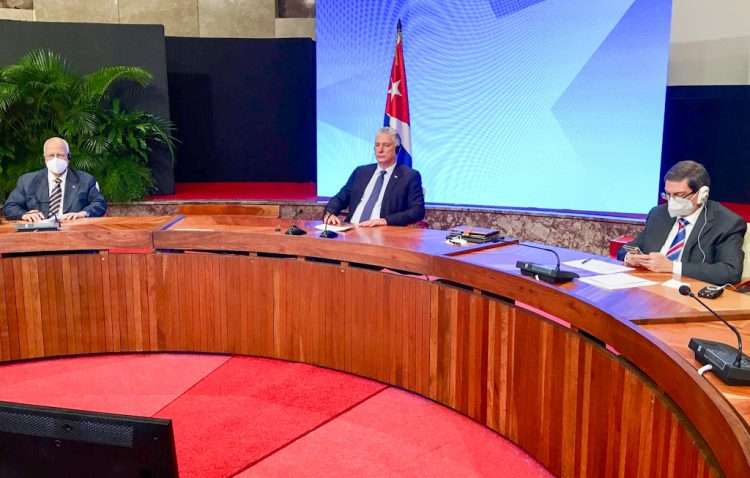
column 729, row 363
column 326, row 234
column 546, row 274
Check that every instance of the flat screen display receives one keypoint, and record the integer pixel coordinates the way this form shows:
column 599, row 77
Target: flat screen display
column 553, row 104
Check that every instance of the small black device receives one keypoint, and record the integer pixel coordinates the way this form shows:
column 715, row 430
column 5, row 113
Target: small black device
column 326, row 234
column 476, row 235
column 722, row 358
column 710, row 292
column 56, row 442
column 729, row 363
column 43, row 226
column 295, row 230
column 553, row 275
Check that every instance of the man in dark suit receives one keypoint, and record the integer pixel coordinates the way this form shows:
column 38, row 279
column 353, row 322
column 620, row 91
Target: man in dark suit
column 690, row 235
column 55, row 191
column 380, row 194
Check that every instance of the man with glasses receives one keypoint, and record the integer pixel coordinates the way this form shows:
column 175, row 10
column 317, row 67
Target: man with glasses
column 57, row 190
column 689, row 234
column 380, row 194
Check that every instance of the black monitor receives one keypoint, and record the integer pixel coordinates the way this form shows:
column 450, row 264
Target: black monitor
column 56, row 442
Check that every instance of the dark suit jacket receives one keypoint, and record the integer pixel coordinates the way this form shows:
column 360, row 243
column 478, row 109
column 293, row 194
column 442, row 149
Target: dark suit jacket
column 32, row 192
column 721, row 239
column 403, row 200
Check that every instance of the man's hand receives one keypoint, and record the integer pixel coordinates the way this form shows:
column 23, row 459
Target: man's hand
column 634, row 260
column 656, row 262
column 72, row 216
column 32, row 216
column 373, row 223
column 332, row 219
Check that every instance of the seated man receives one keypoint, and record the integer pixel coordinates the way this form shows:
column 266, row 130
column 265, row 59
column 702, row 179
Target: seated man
column 690, row 235
column 380, row 194
column 56, row 190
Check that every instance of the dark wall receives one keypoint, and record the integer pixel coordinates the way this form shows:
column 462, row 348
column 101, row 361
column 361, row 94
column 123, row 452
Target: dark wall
column 711, row 125
column 87, row 47
column 244, row 109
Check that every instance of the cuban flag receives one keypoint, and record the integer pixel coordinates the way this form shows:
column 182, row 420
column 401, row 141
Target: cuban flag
column 397, row 101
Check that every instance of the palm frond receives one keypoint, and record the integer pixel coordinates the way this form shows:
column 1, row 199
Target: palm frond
column 100, row 81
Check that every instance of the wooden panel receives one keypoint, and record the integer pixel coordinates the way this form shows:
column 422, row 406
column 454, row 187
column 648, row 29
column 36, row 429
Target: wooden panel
column 575, row 407
column 208, row 302
column 261, row 210
column 86, row 234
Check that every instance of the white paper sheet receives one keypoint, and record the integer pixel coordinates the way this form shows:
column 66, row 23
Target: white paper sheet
column 673, row 284
column 600, row 267
column 616, row 281
column 344, row 226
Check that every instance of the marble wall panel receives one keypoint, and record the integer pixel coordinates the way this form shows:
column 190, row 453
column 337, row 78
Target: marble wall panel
column 21, row 4
column 584, row 233
column 16, row 14
column 295, row 28
column 237, row 19
column 88, row 11
column 179, row 17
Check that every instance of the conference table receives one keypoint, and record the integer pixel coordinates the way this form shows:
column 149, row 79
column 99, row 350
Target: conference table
column 588, row 381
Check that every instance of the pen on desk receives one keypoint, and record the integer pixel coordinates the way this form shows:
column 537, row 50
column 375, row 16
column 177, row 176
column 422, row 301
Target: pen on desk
column 585, row 260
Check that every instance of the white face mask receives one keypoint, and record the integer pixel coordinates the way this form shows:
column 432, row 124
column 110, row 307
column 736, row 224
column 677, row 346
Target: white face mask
column 680, row 207
column 57, row 165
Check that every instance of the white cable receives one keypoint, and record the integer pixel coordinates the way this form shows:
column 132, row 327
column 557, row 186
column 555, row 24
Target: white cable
column 705, row 220
column 705, row 369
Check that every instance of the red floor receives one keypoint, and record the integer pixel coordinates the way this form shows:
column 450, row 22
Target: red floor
column 250, row 417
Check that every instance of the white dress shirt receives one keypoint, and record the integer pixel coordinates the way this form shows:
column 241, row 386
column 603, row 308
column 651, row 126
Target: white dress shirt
column 692, row 219
column 368, row 191
column 51, row 184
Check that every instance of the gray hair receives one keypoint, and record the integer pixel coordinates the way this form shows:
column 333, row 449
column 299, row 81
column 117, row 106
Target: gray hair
column 55, row 138
column 390, row 132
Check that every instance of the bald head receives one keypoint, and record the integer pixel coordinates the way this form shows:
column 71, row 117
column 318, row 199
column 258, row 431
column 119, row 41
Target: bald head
column 56, row 147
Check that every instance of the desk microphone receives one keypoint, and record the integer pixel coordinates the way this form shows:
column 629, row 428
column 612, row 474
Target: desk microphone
column 547, row 274
column 730, row 364
column 326, row 234
column 294, row 229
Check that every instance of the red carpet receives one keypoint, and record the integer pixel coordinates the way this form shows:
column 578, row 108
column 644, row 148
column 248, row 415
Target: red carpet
column 250, row 417
column 396, row 433
column 131, row 384
column 250, row 407
column 235, row 191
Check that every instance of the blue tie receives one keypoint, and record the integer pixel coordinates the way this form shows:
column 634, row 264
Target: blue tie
column 370, row 205
column 679, row 240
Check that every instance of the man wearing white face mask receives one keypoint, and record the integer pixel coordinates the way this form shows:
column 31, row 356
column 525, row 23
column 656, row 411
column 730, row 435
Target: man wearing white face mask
column 690, row 235
column 56, row 190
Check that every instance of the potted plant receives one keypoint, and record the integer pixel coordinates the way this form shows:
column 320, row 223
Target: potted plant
column 41, row 97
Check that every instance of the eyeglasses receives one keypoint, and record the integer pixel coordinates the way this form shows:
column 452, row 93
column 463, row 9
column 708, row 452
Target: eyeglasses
column 666, row 196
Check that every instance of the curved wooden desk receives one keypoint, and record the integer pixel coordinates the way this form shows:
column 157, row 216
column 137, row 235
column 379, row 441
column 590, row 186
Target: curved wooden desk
column 459, row 326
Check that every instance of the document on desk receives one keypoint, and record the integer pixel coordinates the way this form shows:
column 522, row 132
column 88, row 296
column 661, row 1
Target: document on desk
column 344, row 226
column 600, row 267
column 616, row 281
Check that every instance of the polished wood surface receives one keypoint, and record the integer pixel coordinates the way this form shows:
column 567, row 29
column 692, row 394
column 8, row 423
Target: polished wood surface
column 85, row 234
column 679, row 337
column 466, row 330
column 657, row 303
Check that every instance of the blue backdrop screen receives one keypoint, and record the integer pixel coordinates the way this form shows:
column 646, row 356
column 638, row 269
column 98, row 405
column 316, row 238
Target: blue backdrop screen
column 532, row 103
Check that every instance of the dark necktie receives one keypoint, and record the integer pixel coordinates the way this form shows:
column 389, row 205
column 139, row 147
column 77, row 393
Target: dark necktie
column 370, row 204
column 679, row 240
column 55, row 199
